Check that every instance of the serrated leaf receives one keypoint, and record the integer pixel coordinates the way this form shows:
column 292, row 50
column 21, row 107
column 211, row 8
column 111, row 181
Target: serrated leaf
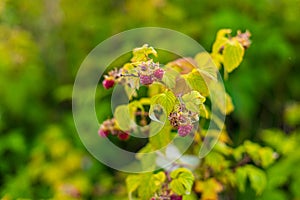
column 150, row 184
column 215, row 160
column 258, row 179
column 241, row 178
column 132, row 183
column 233, row 55
column 182, row 181
column 122, row 116
column 162, row 138
column 193, row 100
column 166, row 100
column 142, row 53
column 196, row 82
column 266, row 156
column 207, row 67
column 170, row 77
column 221, row 40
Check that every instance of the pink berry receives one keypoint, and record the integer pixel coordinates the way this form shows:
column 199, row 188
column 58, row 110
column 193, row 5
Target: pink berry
column 159, row 73
column 146, row 80
column 184, row 130
column 108, row 83
column 123, row 135
column 103, row 133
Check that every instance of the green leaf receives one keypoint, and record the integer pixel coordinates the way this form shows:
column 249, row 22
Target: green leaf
column 221, row 40
column 162, row 138
column 132, row 183
column 258, row 179
column 233, row 55
column 196, row 82
column 150, row 184
column 215, row 160
column 266, row 156
column 182, row 181
column 193, row 100
column 142, row 53
column 241, row 178
column 170, row 77
column 122, row 117
column 166, row 100
column 145, row 184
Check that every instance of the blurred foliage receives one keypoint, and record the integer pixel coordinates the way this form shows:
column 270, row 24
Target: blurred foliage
column 42, row 44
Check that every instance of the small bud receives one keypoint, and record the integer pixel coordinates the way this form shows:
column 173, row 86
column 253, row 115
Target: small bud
column 123, row 135
column 159, row 73
column 146, row 80
column 184, row 130
column 103, row 133
column 108, row 83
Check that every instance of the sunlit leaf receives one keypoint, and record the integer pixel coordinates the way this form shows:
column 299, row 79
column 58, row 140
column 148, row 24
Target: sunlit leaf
column 233, row 55
column 182, row 181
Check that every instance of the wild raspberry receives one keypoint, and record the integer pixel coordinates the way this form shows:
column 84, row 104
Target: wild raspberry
column 144, row 68
column 184, row 130
column 108, row 83
column 146, row 80
column 159, row 73
column 103, row 133
column 123, row 135
column 175, row 197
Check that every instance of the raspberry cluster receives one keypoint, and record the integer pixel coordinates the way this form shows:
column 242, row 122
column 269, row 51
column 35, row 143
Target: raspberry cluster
column 110, row 126
column 112, row 77
column 183, row 119
column 149, row 72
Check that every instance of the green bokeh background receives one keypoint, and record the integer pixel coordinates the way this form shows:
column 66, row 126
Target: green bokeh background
column 43, row 42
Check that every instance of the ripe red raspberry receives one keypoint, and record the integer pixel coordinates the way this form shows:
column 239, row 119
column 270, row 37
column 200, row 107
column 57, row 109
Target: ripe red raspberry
column 184, row 130
column 146, row 80
column 159, row 73
column 103, row 133
column 175, row 197
column 123, row 135
column 108, row 83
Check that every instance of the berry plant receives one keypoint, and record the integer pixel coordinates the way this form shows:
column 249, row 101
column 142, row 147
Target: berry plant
column 178, row 94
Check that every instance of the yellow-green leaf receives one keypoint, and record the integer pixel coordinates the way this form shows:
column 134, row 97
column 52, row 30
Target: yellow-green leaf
column 196, row 82
column 166, row 100
column 182, row 181
column 233, row 55
column 193, row 100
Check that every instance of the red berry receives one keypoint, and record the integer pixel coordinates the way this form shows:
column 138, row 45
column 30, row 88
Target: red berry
column 108, row 83
column 159, row 73
column 123, row 135
column 175, row 197
column 146, row 80
column 103, row 133
column 184, row 130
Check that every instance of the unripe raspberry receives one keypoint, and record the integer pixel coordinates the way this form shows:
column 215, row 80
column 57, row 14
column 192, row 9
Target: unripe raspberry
column 103, row 133
column 108, row 83
column 123, row 135
column 184, row 130
column 146, row 80
column 159, row 73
